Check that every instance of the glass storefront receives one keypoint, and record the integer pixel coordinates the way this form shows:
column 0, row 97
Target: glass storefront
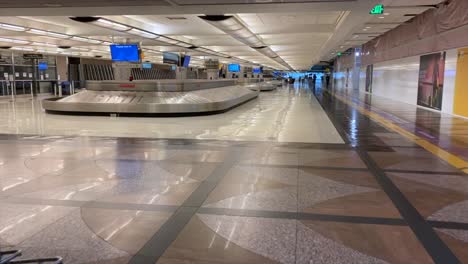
column 19, row 76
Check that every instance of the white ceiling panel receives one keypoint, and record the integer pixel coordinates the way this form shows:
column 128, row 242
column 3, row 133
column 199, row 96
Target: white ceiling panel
column 300, row 36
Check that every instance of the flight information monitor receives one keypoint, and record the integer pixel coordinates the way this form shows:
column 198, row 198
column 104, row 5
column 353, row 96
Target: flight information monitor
column 257, row 70
column 170, row 58
column 125, row 52
column 186, row 61
column 234, row 67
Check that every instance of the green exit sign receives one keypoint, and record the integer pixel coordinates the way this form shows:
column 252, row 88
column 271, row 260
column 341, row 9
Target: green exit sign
column 377, row 10
column 339, row 54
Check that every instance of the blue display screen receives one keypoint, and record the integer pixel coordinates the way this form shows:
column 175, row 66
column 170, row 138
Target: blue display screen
column 234, row 67
column 43, row 66
column 186, row 61
column 174, row 67
column 257, row 70
column 125, row 52
column 147, row 65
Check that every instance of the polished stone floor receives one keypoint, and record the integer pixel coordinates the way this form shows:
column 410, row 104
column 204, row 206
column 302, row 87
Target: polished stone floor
column 284, row 115
column 372, row 197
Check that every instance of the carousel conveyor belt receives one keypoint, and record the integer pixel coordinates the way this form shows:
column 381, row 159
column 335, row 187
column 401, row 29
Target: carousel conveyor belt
column 143, row 102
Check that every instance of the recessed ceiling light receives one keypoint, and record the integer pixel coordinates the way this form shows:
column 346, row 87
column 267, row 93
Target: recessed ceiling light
column 386, row 14
column 381, row 17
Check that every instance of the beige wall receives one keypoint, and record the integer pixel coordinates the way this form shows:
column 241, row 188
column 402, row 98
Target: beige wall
column 437, row 29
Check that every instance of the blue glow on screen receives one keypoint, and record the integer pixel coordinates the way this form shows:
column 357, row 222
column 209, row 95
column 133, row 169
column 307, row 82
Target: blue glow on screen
column 234, row 67
column 186, row 61
column 257, row 70
column 43, row 66
column 147, row 66
column 125, row 53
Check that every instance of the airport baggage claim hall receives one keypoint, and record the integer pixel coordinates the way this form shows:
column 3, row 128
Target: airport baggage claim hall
column 234, row 131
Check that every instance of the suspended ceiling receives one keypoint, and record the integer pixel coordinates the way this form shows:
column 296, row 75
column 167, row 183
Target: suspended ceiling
column 302, row 33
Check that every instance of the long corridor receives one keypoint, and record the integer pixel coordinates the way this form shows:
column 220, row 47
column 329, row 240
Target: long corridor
column 301, row 176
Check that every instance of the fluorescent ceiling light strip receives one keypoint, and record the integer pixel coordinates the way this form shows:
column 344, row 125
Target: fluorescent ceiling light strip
column 22, row 48
column 58, row 35
column 80, row 49
column 16, row 41
column 48, row 33
column 185, row 45
column 167, row 40
column 112, row 25
column 43, row 44
column 94, row 41
column 88, row 40
column 37, row 31
column 79, row 39
column 142, row 33
column 12, row 27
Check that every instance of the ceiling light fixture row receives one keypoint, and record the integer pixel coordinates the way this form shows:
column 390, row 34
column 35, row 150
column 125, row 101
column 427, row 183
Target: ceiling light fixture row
column 85, row 53
column 50, row 34
column 56, row 35
column 42, row 45
column 113, row 25
column 232, row 26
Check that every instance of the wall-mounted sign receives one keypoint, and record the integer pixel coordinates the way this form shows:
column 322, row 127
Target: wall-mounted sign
column 32, row 56
column 377, row 10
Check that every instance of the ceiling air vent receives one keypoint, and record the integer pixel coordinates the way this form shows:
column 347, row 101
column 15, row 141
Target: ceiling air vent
column 176, row 18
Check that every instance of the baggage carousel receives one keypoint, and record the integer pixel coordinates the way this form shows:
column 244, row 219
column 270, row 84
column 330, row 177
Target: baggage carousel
column 156, row 97
column 262, row 86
